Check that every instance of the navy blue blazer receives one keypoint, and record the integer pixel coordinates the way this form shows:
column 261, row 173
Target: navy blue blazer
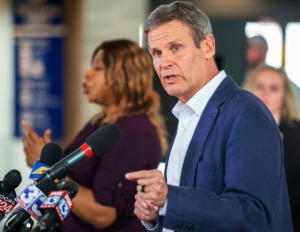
column 233, row 177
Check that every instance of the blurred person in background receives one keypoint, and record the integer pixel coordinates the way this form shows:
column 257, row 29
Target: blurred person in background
column 120, row 81
column 256, row 51
column 273, row 87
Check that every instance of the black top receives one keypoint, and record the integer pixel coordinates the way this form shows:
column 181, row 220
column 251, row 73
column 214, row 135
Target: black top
column 291, row 142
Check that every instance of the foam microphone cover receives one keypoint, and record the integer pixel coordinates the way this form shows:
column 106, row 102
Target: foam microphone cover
column 51, row 154
column 10, row 181
column 104, row 138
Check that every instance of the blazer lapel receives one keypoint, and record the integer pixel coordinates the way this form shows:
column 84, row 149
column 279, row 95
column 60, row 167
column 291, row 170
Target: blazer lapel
column 203, row 128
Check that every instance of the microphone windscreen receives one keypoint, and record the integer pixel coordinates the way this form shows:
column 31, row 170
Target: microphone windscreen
column 11, row 181
column 104, row 138
column 51, row 154
column 71, row 187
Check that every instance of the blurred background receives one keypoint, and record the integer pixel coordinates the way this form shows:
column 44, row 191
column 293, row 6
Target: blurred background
column 46, row 46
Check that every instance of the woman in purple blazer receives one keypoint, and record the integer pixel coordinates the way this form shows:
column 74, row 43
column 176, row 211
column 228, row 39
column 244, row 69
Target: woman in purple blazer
column 120, row 81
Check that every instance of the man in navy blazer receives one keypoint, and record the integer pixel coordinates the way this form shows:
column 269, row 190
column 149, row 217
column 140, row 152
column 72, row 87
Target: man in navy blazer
column 224, row 170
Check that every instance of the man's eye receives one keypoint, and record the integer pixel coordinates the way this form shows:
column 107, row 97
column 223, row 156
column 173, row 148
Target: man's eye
column 157, row 53
column 176, row 47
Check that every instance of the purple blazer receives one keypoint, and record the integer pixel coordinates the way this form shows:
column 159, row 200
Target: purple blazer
column 139, row 148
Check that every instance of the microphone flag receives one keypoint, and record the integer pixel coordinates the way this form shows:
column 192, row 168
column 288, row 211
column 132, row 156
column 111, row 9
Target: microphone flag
column 6, row 204
column 37, row 170
column 31, row 199
column 60, row 201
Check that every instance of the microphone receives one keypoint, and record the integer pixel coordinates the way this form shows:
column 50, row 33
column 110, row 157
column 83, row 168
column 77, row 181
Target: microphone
column 25, row 227
column 7, row 194
column 97, row 143
column 57, row 206
column 50, row 155
column 10, row 181
column 34, row 194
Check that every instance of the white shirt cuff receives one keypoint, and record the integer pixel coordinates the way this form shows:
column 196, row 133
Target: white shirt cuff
column 163, row 210
column 149, row 225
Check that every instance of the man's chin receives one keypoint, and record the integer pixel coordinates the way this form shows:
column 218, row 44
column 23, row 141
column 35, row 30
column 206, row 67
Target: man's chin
column 172, row 92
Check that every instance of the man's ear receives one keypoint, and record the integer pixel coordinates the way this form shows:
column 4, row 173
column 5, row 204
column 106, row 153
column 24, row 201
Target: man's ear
column 208, row 46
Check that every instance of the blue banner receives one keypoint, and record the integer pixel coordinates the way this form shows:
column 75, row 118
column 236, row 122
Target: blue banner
column 38, row 60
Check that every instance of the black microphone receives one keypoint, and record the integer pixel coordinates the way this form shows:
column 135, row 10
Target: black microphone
column 50, row 155
column 97, row 143
column 7, row 194
column 34, row 194
column 57, row 207
column 10, row 181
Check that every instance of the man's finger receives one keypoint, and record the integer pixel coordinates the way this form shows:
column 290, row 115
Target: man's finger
column 145, row 204
column 134, row 176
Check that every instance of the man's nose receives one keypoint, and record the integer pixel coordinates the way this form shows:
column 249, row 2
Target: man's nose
column 166, row 60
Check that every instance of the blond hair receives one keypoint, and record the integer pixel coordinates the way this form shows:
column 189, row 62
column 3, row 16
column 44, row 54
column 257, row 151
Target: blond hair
column 289, row 110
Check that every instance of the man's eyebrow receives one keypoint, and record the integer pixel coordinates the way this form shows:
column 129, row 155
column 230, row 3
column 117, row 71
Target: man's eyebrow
column 169, row 44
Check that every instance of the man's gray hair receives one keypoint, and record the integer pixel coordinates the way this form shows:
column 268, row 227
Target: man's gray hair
column 185, row 12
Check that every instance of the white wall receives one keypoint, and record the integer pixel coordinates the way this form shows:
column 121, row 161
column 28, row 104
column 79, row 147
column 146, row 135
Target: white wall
column 106, row 20
column 11, row 153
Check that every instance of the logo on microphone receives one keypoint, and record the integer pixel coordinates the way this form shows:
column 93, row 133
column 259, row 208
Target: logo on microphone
column 37, row 170
column 31, row 199
column 60, row 201
column 6, row 204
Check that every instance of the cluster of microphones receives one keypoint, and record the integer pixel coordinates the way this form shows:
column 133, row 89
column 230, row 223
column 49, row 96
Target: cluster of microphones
column 49, row 198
